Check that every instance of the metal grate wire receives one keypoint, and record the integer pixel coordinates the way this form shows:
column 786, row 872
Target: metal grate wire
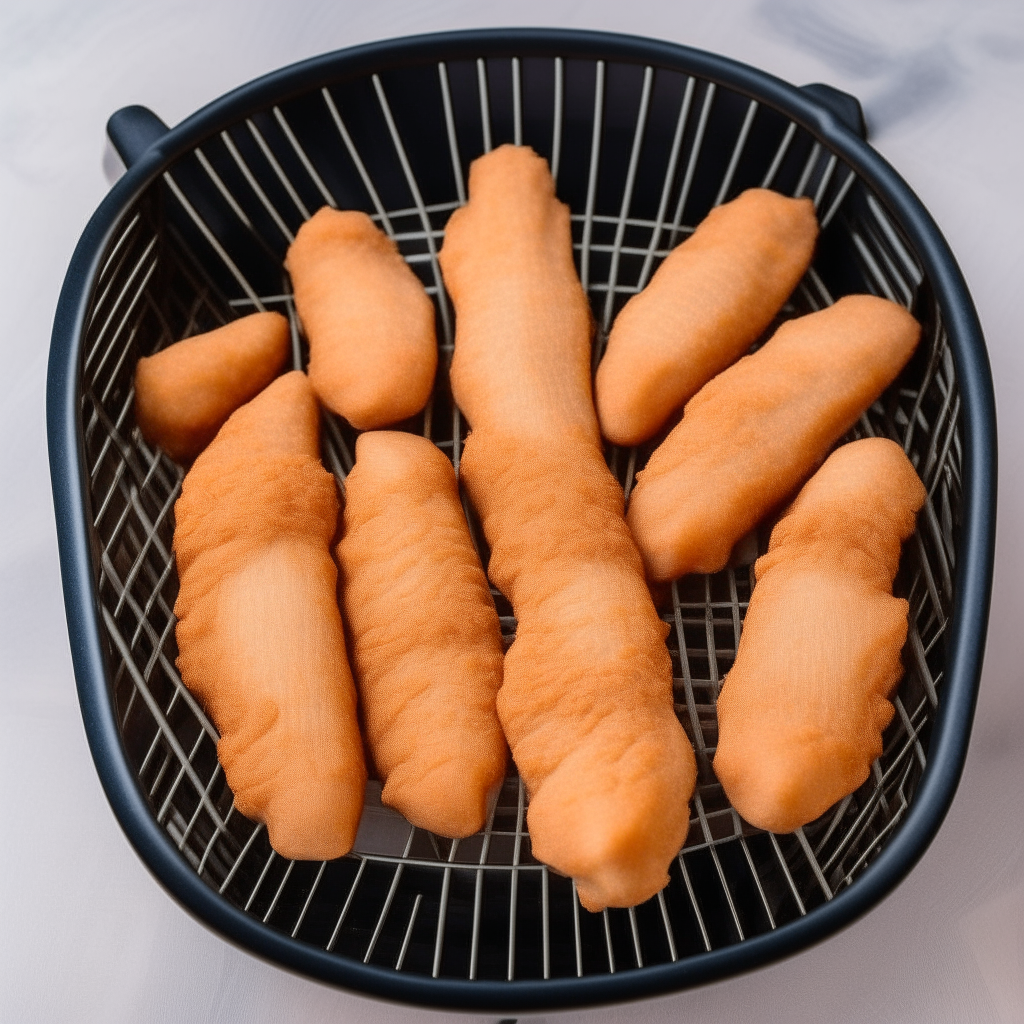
column 640, row 153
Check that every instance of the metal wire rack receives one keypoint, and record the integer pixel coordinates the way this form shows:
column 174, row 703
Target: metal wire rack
column 640, row 153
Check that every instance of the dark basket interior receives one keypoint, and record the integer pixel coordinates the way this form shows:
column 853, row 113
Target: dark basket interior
column 640, row 154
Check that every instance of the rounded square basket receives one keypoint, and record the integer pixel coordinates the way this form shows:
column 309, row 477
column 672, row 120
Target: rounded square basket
column 643, row 139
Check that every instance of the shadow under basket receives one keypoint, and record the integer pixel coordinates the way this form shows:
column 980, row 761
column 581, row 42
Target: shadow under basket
column 643, row 138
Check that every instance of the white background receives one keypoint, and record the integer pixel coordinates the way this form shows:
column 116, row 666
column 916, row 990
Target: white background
column 85, row 933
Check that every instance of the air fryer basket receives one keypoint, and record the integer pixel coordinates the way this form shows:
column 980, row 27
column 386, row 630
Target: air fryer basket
column 643, row 139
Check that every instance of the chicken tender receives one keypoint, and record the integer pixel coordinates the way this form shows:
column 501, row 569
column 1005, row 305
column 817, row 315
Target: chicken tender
column 368, row 320
column 586, row 702
column 424, row 635
column 801, row 713
column 259, row 631
column 185, row 392
column 752, row 435
column 522, row 340
column 705, row 306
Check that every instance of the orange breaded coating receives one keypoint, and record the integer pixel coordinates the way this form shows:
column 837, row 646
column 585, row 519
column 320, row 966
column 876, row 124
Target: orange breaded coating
column 801, row 713
column 259, row 631
column 522, row 343
column 705, row 306
column 586, row 702
column 424, row 635
column 368, row 321
column 185, row 392
column 752, row 435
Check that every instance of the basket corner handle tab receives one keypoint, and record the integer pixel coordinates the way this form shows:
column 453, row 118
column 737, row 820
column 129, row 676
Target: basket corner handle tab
column 133, row 130
column 841, row 105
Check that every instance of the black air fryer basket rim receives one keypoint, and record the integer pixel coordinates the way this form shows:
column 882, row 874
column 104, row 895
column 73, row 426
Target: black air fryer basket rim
column 951, row 732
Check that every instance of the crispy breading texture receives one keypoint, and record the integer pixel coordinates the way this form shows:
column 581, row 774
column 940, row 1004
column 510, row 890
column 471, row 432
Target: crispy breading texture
column 707, row 303
column 801, row 712
column 259, row 632
column 424, row 635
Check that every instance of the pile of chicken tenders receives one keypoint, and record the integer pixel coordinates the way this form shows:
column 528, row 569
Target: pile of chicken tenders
column 318, row 636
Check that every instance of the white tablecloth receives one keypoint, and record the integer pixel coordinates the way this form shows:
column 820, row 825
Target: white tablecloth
column 85, row 933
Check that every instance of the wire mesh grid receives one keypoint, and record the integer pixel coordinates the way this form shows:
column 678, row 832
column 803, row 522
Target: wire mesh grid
column 641, row 154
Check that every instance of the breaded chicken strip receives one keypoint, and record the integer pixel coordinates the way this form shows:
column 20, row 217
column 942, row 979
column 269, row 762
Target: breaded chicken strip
column 753, row 435
column 259, row 631
column 185, row 392
column 801, row 712
column 424, row 635
column 368, row 321
column 586, row 701
column 705, row 306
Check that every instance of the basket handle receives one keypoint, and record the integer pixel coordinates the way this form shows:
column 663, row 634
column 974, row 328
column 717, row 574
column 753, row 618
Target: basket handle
column 132, row 130
column 841, row 105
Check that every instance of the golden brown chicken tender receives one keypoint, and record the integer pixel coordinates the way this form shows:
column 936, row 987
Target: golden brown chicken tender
column 368, row 320
column 752, row 435
column 522, row 341
column 705, row 306
column 424, row 635
column 259, row 631
column 801, row 713
column 586, row 701
column 185, row 392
